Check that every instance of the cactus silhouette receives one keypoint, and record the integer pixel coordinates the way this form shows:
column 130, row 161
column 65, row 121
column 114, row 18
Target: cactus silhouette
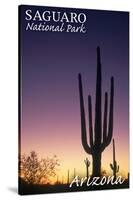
column 87, row 164
column 114, row 166
column 98, row 140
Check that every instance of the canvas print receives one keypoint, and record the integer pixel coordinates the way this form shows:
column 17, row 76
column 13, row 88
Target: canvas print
column 73, row 99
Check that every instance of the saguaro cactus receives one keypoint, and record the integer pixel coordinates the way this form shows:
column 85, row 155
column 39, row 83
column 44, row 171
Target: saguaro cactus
column 87, row 164
column 114, row 166
column 99, row 139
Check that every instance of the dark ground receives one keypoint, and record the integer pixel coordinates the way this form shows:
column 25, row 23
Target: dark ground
column 25, row 189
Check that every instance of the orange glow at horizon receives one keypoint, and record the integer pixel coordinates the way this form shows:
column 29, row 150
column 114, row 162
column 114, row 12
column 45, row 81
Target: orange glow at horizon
column 71, row 155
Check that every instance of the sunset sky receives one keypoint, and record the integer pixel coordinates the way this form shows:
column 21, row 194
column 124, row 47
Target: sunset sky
column 50, row 63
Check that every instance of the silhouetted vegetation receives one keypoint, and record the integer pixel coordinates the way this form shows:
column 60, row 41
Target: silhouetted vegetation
column 98, row 140
column 37, row 171
column 47, row 188
column 87, row 164
column 103, row 172
column 114, row 166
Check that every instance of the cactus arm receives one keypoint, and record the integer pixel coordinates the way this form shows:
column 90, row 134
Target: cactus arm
column 98, row 101
column 111, row 166
column 105, row 118
column 83, row 122
column 90, row 121
column 110, row 128
column 114, row 161
column 108, row 138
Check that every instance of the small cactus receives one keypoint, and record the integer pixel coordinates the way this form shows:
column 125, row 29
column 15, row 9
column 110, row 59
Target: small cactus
column 114, row 166
column 87, row 164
